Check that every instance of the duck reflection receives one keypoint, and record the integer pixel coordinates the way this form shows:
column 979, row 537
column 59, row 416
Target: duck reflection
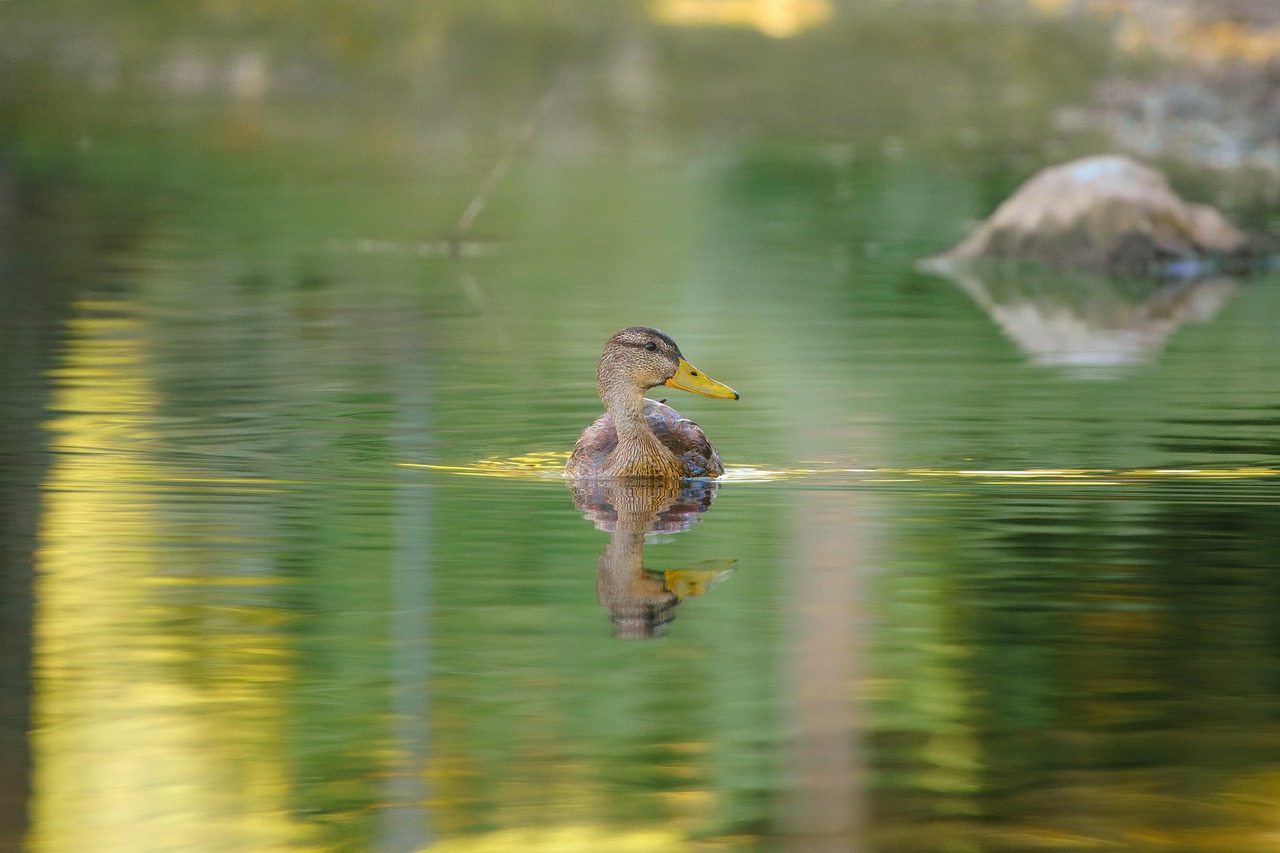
column 1085, row 320
column 642, row 601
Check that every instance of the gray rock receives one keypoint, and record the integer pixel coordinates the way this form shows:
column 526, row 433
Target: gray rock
column 1106, row 214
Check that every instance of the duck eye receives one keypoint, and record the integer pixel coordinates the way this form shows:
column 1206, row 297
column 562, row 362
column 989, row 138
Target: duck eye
column 650, row 346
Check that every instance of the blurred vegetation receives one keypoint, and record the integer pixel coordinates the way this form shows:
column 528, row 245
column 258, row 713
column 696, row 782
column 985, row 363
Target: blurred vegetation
column 453, row 78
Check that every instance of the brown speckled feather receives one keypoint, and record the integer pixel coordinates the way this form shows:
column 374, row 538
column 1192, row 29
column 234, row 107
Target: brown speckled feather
column 683, row 437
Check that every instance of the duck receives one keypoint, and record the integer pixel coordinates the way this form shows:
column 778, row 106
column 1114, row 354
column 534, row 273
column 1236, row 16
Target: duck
column 638, row 437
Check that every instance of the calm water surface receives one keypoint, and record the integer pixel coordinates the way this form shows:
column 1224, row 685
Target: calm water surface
column 290, row 567
column 306, row 576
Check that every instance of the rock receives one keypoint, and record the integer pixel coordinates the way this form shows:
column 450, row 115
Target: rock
column 1104, row 214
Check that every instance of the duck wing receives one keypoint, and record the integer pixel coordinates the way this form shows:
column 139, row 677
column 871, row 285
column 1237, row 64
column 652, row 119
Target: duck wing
column 591, row 454
column 684, row 438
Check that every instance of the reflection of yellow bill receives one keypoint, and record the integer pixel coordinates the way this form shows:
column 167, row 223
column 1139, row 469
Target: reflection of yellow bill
column 689, row 378
column 683, row 583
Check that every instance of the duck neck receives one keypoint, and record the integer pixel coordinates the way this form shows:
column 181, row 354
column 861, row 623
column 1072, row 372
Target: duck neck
column 627, row 408
column 639, row 450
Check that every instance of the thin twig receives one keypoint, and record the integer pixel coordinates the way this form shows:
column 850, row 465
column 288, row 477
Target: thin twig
column 490, row 185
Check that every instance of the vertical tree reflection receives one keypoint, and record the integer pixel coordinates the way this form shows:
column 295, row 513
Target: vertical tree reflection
column 43, row 253
column 825, row 807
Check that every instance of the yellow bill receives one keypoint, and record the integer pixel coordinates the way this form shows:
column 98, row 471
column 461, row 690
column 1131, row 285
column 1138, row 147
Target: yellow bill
column 698, row 579
column 689, row 378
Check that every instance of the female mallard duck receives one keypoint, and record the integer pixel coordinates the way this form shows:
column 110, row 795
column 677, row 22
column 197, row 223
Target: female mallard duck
column 639, row 437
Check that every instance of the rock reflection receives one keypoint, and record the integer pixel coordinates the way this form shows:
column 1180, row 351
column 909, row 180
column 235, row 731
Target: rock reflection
column 641, row 601
column 1086, row 320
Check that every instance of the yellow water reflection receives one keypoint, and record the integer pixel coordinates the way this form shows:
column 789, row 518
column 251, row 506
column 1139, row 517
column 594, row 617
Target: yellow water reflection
column 776, row 18
column 132, row 751
column 549, row 465
column 571, row 838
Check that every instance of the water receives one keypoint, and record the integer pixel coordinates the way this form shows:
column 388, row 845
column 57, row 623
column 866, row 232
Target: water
column 288, row 564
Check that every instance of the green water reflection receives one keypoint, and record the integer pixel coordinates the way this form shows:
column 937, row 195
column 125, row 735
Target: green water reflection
column 286, row 564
